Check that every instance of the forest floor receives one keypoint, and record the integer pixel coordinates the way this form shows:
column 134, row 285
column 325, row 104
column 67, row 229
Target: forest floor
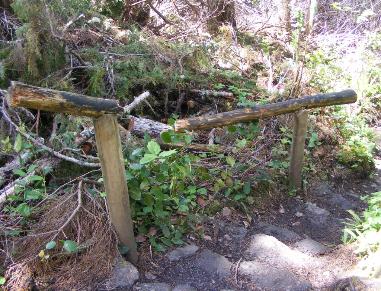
column 295, row 245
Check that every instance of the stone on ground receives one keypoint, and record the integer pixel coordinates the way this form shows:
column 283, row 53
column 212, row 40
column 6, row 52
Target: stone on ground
column 124, row 275
column 272, row 251
column 267, row 277
column 184, row 287
column 316, row 215
column 280, row 233
column 213, row 263
column 311, row 247
column 152, row 287
column 182, row 252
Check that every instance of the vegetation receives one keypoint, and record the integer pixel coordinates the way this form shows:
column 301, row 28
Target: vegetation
column 117, row 49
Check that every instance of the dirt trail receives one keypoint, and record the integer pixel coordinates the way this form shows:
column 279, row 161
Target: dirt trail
column 297, row 247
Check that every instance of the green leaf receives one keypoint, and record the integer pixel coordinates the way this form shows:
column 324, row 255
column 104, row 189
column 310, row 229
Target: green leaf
column 230, row 160
column 23, row 209
column 202, row 191
column 18, row 143
column 153, row 147
column 147, row 158
column 166, row 136
column 50, row 245
column 35, row 178
column 34, row 194
column 31, row 168
column 19, row 172
column 2, row 280
column 247, row 188
column 167, row 153
column 70, row 246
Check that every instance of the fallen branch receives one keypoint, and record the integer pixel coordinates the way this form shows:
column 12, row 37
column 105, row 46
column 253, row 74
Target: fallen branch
column 211, row 93
column 139, row 99
column 79, row 205
column 46, row 148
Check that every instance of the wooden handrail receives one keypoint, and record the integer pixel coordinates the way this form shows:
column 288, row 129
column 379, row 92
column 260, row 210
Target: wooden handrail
column 265, row 111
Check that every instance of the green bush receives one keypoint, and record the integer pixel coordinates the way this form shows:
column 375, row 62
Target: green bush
column 357, row 153
column 365, row 230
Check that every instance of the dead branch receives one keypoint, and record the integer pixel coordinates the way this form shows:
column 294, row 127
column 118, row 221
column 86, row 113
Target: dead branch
column 46, row 148
column 137, row 100
column 212, row 93
column 79, row 205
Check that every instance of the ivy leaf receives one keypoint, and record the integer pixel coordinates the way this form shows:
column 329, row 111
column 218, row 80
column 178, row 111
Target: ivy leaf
column 50, row 245
column 19, row 172
column 35, row 178
column 18, row 143
column 147, row 158
column 23, row 209
column 70, row 246
column 153, row 147
column 167, row 153
column 166, row 137
column 231, row 161
column 34, row 194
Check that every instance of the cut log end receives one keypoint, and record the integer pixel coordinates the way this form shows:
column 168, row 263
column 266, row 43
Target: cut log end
column 22, row 95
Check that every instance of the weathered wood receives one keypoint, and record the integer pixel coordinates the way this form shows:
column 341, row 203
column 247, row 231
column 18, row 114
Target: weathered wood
column 22, row 95
column 297, row 149
column 114, row 178
column 212, row 93
column 265, row 111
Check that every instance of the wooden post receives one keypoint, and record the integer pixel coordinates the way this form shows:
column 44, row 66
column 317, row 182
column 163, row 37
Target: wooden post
column 114, row 178
column 297, row 149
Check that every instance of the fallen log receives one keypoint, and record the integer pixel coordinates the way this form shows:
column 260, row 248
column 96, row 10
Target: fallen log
column 22, row 95
column 265, row 111
column 212, row 93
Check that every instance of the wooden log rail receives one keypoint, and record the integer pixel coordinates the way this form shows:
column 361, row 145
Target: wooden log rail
column 105, row 112
column 265, row 111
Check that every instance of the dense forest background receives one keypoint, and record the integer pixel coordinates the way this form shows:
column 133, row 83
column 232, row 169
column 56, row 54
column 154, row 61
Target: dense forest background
column 193, row 57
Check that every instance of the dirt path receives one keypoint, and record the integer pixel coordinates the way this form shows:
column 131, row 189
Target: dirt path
column 295, row 247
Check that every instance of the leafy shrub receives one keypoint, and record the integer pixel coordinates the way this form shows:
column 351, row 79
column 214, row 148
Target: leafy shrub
column 357, row 153
column 365, row 229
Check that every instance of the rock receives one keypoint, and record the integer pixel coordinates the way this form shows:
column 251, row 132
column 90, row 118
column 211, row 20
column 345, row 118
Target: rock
column 268, row 277
column 270, row 250
column 299, row 214
column 182, row 252
column 150, row 276
column 226, row 211
column 280, row 233
column 152, row 287
column 207, row 237
column 315, row 214
column 213, row 263
column 236, row 232
column 184, row 287
column 341, row 202
column 124, row 275
column 311, row 247
column 323, row 189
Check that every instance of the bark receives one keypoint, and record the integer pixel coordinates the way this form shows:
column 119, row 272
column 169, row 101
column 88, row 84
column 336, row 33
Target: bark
column 265, row 111
column 22, row 95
